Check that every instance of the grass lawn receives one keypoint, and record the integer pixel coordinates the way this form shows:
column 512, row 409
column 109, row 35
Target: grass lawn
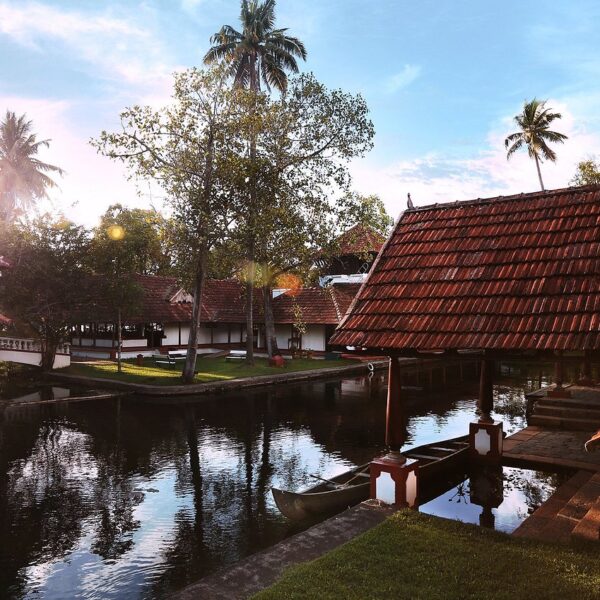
column 417, row 556
column 209, row 369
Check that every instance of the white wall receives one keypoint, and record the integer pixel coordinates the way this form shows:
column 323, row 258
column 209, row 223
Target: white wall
column 171, row 330
column 314, row 338
column 33, row 358
column 283, row 333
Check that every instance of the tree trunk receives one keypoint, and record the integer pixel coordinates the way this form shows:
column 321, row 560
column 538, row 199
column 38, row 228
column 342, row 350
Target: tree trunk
column 270, row 337
column 48, row 351
column 250, row 313
column 539, row 172
column 251, row 233
column 192, row 350
column 119, row 340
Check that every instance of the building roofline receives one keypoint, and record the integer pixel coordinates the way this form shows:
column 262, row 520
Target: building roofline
column 495, row 199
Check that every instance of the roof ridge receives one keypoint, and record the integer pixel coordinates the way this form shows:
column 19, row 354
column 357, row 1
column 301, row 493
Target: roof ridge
column 509, row 198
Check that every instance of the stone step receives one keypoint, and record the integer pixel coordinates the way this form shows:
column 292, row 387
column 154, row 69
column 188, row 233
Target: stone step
column 588, row 528
column 546, row 524
column 564, row 422
column 583, row 499
column 569, row 402
column 543, row 408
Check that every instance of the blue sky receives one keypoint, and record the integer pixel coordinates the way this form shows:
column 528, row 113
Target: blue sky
column 442, row 79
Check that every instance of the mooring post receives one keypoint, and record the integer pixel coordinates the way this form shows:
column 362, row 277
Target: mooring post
column 485, row 435
column 393, row 476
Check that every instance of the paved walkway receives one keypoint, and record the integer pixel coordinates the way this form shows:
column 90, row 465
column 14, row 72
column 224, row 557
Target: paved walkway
column 261, row 570
column 552, row 447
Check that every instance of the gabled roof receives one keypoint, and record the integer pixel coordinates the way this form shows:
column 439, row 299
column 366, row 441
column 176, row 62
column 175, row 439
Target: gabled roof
column 325, row 306
column 519, row 272
column 360, row 239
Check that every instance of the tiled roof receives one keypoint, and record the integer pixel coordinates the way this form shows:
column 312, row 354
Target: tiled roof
column 521, row 272
column 324, row 306
column 358, row 240
column 223, row 301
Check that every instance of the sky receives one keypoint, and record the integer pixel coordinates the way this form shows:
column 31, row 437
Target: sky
column 442, row 78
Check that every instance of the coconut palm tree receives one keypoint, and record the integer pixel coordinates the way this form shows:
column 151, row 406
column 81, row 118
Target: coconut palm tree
column 259, row 51
column 534, row 125
column 23, row 177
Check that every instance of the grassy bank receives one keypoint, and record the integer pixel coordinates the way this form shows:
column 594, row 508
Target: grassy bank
column 217, row 369
column 416, row 556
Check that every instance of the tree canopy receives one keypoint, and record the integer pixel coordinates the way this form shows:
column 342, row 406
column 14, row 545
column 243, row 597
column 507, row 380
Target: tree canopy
column 535, row 134
column 587, row 173
column 24, row 177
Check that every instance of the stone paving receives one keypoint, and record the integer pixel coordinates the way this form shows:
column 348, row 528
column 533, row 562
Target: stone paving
column 552, row 447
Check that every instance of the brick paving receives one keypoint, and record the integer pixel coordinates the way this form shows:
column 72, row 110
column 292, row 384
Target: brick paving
column 552, row 447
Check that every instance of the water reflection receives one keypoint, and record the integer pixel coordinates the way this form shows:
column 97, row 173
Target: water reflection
column 129, row 498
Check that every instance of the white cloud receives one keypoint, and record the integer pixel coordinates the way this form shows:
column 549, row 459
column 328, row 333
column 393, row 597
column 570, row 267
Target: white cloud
column 402, row 79
column 131, row 55
column 434, row 178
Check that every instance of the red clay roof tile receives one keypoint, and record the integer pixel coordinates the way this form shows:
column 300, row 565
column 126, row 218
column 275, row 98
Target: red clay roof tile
column 515, row 273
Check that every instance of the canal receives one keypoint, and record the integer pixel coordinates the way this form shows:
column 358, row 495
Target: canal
column 130, row 498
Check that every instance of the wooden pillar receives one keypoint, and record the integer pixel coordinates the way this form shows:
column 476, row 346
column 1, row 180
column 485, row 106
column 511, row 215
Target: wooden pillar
column 485, row 402
column 586, row 371
column 394, row 478
column 485, row 435
column 395, row 431
column 558, row 371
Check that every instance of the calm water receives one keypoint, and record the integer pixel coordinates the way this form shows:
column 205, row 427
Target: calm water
column 131, row 499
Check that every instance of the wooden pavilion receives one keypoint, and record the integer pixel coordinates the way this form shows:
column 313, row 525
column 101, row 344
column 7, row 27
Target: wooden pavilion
column 500, row 278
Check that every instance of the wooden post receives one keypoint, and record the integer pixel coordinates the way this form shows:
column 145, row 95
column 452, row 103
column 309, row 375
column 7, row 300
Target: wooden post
column 485, row 402
column 558, row 372
column 395, row 432
column 485, row 435
column 586, row 372
column 393, row 477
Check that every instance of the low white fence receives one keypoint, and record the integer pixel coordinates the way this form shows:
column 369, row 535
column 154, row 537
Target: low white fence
column 28, row 351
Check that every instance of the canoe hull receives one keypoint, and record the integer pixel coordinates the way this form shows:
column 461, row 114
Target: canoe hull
column 324, row 499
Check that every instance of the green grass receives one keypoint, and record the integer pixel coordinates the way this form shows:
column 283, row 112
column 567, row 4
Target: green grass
column 412, row 555
column 217, row 369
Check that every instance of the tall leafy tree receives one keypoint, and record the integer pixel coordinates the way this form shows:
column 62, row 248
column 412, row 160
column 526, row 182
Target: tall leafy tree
column 258, row 53
column 535, row 134
column 587, row 173
column 190, row 149
column 48, row 282
column 24, row 177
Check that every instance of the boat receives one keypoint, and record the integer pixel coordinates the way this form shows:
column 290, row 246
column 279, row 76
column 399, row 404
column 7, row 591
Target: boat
column 349, row 488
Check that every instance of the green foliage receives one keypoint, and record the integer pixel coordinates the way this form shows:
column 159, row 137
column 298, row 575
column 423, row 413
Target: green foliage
column 588, row 173
column 48, row 280
column 144, row 247
column 368, row 211
column 23, row 177
column 535, row 133
column 259, row 51
column 412, row 555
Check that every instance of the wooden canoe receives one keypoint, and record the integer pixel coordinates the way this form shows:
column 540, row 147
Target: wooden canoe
column 353, row 486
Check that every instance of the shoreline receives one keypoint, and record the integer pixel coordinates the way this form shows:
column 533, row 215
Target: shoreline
column 145, row 389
